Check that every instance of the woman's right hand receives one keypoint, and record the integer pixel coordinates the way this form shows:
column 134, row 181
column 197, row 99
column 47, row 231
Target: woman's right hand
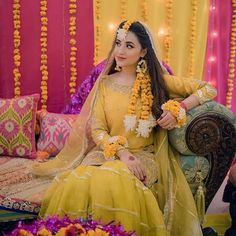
column 133, row 163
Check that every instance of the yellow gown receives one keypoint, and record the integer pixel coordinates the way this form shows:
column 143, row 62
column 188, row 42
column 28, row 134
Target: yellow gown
column 108, row 191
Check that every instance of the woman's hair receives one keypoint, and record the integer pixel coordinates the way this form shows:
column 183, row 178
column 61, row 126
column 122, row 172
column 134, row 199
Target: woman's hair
column 155, row 71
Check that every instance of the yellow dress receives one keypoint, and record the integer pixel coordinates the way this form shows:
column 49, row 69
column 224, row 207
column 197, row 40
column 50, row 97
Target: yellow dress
column 108, row 191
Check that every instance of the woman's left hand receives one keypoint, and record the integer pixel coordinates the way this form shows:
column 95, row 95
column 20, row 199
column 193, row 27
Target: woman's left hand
column 167, row 120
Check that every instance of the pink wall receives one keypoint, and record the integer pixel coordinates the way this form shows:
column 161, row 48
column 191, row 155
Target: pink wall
column 58, row 48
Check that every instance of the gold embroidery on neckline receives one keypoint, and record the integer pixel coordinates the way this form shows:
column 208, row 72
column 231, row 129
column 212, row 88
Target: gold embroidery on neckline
column 123, row 88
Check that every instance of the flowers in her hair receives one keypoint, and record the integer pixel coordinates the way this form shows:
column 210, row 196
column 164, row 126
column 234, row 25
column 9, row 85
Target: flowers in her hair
column 176, row 110
column 122, row 32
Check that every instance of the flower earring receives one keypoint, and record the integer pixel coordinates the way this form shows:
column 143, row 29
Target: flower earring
column 142, row 66
column 117, row 68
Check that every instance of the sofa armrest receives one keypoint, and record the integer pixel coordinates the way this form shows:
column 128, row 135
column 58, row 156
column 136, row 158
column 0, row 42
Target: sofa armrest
column 211, row 132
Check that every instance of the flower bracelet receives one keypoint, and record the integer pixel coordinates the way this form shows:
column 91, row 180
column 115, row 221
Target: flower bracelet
column 114, row 144
column 178, row 110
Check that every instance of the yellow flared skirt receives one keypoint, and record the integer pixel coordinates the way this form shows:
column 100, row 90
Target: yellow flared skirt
column 109, row 193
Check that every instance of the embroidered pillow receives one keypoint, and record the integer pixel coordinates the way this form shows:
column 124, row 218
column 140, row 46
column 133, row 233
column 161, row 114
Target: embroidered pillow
column 54, row 131
column 17, row 126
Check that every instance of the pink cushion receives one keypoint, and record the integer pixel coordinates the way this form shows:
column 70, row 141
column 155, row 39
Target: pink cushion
column 54, row 131
column 17, row 124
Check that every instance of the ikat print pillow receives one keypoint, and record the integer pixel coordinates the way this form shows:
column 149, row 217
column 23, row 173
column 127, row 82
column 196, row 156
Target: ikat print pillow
column 54, row 131
column 17, row 126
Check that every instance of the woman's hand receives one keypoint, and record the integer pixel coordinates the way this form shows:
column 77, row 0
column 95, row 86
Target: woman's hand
column 167, row 120
column 133, row 163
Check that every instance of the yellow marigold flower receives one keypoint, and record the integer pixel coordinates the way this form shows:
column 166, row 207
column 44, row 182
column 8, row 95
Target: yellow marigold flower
column 44, row 232
column 61, row 232
column 79, row 226
column 72, row 41
column 17, row 63
column 72, row 11
column 72, row 90
column 23, row 232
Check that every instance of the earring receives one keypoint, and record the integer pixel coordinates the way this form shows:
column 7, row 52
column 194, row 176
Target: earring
column 142, row 66
column 118, row 68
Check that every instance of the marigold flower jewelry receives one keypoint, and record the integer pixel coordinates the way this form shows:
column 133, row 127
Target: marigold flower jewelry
column 114, row 144
column 177, row 111
column 141, row 88
column 122, row 32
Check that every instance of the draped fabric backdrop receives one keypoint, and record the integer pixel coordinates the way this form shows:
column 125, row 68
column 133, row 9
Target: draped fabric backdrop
column 157, row 14
column 193, row 37
column 58, row 48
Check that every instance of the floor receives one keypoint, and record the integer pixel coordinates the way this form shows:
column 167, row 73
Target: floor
column 218, row 212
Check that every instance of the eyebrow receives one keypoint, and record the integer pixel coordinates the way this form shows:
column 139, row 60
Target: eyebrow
column 130, row 42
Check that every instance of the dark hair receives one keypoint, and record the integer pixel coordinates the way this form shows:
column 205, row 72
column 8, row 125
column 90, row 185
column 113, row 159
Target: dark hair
column 155, row 71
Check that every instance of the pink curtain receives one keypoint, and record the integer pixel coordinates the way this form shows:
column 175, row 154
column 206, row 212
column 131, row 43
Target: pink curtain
column 58, row 49
column 217, row 55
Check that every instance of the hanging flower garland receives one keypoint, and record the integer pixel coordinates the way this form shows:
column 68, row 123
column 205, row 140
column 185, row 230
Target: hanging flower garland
column 44, row 58
column 16, row 51
column 144, row 9
column 97, row 31
column 231, row 73
column 192, row 40
column 123, row 9
column 73, row 47
column 168, row 39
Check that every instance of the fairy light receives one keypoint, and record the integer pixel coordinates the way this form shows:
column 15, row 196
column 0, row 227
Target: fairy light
column 212, row 58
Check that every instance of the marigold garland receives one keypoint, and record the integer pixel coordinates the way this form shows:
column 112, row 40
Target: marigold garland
column 168, row 38
column 144, row 9
column 192, row 39
column 73, row 47
column 232, row 55
column 177, row 111
column 44, row 58
column 16, row 52
column 97, row 31
column 123, row 9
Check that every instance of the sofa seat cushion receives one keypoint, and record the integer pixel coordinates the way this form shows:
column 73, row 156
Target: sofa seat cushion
column 19, row 190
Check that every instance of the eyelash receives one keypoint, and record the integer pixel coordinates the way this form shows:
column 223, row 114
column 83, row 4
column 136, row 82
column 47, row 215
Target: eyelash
column 128, row 45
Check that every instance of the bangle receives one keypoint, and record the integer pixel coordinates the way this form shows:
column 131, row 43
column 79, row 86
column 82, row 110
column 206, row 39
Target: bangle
column 177, row 111
column 114, row 144
column 182, row 104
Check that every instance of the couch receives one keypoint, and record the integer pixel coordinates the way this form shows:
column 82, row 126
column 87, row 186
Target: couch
column 207, row 146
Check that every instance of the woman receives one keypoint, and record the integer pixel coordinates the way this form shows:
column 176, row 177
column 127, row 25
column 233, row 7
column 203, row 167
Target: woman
column 127, row 171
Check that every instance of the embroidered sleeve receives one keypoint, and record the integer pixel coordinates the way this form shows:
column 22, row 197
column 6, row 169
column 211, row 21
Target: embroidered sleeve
column 100, row 131
column 180, row 87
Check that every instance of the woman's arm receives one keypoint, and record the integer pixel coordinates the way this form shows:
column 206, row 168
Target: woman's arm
column 191, row 92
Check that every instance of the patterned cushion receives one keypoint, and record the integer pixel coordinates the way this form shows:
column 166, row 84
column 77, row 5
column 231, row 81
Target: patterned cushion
column 17, row 123
column 54, row 131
